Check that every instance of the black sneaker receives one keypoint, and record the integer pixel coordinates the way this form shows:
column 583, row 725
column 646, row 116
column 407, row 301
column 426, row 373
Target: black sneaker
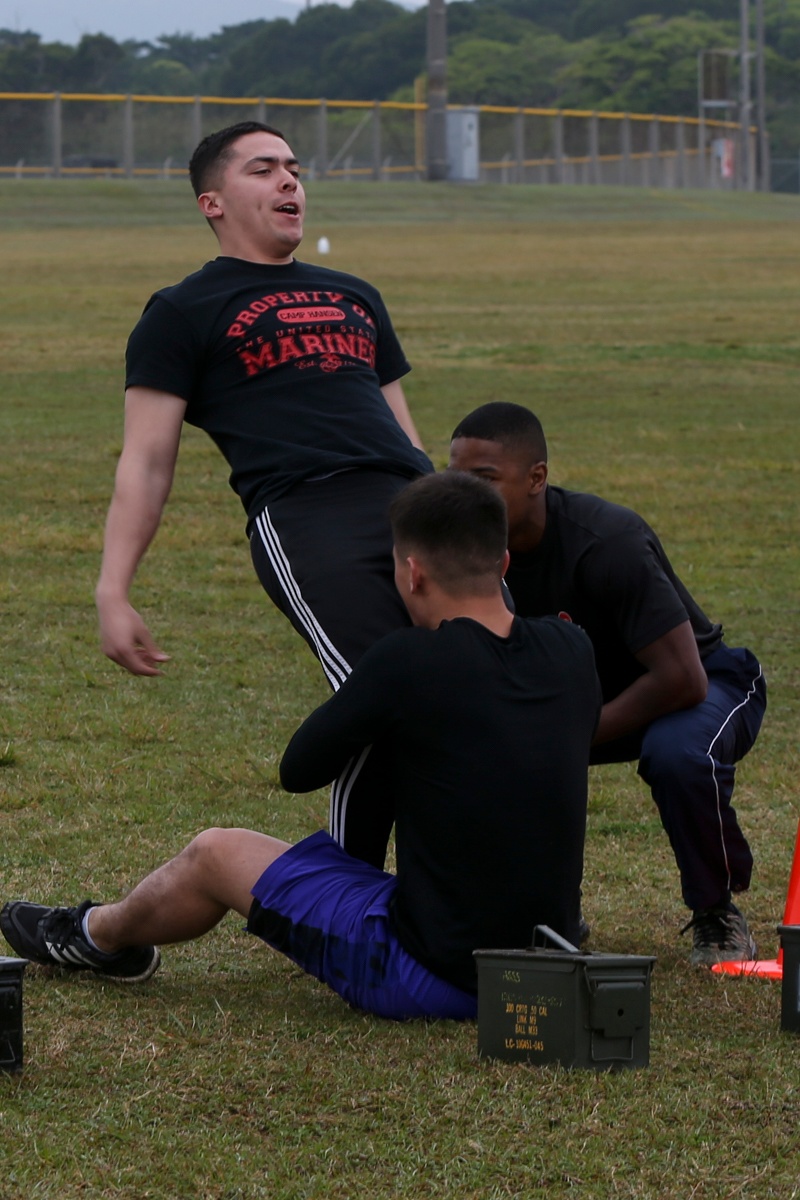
column 720, row 935
column 584, row 929
column 55, row 936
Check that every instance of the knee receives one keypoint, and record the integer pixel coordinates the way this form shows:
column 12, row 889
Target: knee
column 679, row 772
column 205, row 849
column 668, row 760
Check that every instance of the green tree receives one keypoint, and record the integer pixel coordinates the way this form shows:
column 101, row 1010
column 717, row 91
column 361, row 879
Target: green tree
column 373, row 64
column 607, row 18
column 465, row 16
column 652, row 69
column 782, row 22
column 361, row 52
column 98, row 64
column 630, row 55
column 493, row 72
column 163, row 77
column 266, row 65
column 28, row 65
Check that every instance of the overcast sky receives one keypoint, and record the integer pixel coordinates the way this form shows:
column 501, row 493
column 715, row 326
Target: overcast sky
column 143, row 20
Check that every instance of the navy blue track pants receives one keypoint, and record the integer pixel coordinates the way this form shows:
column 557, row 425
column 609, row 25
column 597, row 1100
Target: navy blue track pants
column 688, row 760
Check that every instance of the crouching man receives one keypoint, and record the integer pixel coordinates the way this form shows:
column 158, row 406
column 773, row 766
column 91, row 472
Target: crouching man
column 676, row 697
column 486, row 720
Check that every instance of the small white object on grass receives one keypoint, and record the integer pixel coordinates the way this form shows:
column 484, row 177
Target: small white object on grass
column 323, row 245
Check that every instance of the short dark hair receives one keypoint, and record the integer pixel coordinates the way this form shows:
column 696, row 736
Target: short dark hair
column 459, row 524
column 213, row 154
column 514, row 427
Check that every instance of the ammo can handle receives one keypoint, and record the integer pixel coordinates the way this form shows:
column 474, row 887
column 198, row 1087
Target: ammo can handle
column 543, row 934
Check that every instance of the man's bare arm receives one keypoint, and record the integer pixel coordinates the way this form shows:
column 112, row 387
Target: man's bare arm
column 674, row 679
column 145, row 470
column 394, row 396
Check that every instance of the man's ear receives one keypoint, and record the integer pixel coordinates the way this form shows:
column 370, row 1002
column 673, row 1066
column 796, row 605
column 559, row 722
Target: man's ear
column 537, row 478
column 417, row 576
column 209, row 205
column 506, row 561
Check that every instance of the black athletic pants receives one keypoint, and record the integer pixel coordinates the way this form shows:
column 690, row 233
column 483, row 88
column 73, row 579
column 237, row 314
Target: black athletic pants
column 323, row 553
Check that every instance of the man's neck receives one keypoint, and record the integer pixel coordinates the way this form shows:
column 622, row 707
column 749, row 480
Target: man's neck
column 526, row 539
column 490, row 611
column 233, row 245
column 262, row 260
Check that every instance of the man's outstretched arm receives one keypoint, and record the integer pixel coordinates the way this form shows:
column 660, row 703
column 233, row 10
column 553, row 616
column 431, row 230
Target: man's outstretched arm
column 674, row 679
column 145, row 470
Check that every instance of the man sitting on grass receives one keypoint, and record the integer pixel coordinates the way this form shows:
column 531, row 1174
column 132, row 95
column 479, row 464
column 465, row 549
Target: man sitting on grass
column 675, row 696
column 486, row 720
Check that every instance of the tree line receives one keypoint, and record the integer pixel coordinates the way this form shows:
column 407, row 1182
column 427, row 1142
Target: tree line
column 617, row 55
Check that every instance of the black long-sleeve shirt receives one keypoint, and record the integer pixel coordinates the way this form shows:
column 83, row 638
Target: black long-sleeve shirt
column 488, row 744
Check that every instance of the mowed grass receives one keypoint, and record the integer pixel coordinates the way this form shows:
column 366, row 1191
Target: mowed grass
column 656, row 335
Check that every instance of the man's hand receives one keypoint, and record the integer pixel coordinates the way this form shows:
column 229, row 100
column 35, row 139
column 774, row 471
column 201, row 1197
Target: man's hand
column 126, row 640
column 153, row 423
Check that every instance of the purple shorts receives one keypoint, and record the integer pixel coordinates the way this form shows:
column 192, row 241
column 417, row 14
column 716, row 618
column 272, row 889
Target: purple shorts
column 329, row 913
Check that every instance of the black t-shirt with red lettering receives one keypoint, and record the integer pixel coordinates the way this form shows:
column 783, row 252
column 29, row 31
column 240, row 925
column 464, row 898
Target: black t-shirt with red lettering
column 282, row 366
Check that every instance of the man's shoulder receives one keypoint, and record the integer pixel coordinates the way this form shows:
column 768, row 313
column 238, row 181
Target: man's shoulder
column 404, row 646
column 401, row 660
column 465, row 639
column 585, row 520
column 558, row 633
column 193, row 286
column 330, row 277
column 590, row 512
column 413, row 650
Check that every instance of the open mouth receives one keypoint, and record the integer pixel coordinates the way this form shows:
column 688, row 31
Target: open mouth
column 291, row 208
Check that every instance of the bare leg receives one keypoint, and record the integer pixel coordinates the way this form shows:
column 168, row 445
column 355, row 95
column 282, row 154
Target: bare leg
column 190, row 894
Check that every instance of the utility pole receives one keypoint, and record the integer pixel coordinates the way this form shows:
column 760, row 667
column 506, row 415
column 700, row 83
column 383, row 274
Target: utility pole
column 437, row 90
column 746, row 180
column 763, row 173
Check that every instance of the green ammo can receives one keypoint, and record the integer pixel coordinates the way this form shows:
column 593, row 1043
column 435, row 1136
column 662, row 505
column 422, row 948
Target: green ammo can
column 11, row 1013
column 557, row 1005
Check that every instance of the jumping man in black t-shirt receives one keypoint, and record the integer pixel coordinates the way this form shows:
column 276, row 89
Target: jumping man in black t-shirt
column 294, row 370
column 675, row 697
column 486, row 720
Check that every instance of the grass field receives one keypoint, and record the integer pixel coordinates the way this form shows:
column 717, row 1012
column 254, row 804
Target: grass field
column 656, row 335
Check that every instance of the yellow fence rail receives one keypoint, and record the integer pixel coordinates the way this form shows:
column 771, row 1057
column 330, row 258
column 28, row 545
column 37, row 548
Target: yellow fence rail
column 84, row 134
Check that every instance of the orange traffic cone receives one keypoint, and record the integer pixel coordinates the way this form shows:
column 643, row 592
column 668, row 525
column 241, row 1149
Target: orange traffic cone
column 772, row 968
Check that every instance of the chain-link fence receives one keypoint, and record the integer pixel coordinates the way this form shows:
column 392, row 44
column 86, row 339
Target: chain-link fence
column 785, row 175
column 61, row 134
